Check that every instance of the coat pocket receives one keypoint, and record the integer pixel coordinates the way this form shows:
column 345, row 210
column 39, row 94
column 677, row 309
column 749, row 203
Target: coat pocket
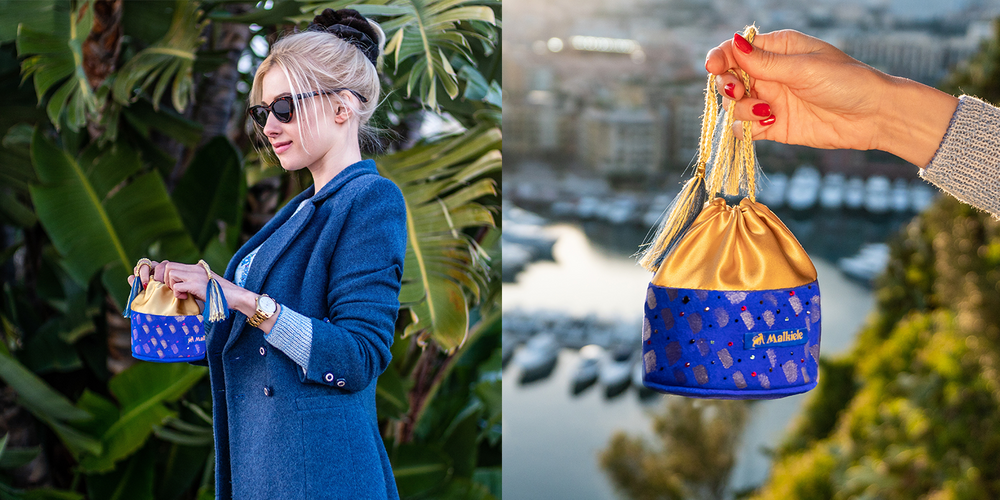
column 340, row 461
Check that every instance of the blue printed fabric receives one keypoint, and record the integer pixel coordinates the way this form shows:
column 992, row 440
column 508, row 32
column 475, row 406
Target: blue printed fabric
column 731, row 345
column 167, row 339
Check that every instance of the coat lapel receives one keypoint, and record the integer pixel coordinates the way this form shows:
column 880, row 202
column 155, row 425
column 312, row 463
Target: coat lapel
column 279, row 233
column 272, row 248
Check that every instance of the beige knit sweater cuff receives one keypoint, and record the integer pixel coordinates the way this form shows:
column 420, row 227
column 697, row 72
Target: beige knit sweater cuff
column 967, row 163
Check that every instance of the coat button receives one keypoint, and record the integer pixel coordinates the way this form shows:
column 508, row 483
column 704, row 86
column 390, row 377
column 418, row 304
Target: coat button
column 268, row 391
column 326, row 320
column 263, row 351
column 341, row 382
column 328, row 377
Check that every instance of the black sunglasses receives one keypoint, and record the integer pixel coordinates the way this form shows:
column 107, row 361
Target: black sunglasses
column 283, row 106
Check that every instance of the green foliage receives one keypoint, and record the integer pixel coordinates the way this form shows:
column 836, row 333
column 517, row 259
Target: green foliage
column 819, row 417
column 423, row 37
column 171, row 58
column 54, row 60
column 441, row 181
column 696, row 452
column 980, row 76
column 922, row 420
column 907, row 432
column 454, row 447
column 97, row 230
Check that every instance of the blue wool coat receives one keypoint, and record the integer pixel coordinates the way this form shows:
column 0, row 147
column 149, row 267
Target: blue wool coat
column 282, row 434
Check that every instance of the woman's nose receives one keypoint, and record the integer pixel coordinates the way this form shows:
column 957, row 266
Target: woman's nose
column 272, row 127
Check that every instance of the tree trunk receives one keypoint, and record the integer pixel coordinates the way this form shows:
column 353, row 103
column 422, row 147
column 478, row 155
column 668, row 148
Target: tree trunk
column 213, row 108
column 100, row 51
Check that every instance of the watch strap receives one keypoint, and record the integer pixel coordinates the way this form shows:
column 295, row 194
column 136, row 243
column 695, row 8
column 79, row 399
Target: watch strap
column 259, row 316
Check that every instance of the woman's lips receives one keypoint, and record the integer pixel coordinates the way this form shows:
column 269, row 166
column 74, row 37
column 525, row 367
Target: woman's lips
column 281, row 147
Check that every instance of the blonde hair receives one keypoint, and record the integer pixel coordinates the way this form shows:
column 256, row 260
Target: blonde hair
column 318, row 60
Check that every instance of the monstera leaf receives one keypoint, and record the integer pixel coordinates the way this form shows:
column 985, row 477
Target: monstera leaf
column 97, row 220
column 445, row 268
column 422, row 36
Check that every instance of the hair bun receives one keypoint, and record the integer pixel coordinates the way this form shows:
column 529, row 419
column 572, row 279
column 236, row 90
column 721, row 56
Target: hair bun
column 351, row 26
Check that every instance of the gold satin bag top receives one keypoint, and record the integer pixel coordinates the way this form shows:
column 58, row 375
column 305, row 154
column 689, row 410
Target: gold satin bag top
column 158, row 299
column 744, row 247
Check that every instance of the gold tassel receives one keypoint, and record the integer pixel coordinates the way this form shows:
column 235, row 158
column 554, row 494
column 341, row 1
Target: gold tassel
column 216, row 308
column 689, row 202
column 734, row 172
column 749, row 170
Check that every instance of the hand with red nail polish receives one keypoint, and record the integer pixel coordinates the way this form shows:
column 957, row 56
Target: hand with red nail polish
column 805, row 91
column 742, row 44
column 729, row 88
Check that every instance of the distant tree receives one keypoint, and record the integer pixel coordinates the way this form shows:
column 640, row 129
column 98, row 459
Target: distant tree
column 981, row 75
column 696, row 452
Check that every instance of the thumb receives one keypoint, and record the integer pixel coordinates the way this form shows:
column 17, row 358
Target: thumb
column 762, row 64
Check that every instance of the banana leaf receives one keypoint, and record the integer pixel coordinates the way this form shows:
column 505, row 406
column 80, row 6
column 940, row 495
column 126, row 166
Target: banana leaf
column 48, row 16
column 141, row 391
column 419, row 468
column 95, row 230
column 49, row 406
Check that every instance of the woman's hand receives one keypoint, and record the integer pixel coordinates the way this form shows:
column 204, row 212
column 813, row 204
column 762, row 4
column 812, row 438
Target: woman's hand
column 191, row 279
column 806, row 91
column 184, row 279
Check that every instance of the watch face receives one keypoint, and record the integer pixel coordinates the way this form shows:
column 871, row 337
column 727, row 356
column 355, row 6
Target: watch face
column 267, row 304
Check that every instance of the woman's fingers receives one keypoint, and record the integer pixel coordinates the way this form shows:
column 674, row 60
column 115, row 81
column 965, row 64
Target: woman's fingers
column 720, row 59
column 729, row 86
column 159, row 271
column 144, row 275
column 193, row 288
column 750, row 109
column 185, row 280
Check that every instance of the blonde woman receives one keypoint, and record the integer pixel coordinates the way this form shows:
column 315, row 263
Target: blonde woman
column 314, row 294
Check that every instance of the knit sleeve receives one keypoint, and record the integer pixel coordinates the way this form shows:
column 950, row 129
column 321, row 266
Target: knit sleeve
column 292, row 334
column 967, row 163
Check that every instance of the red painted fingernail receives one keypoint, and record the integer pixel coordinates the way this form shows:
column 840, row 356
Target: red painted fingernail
column 767, row 121
column 742, row 44
column 729, row 89
column 762, row 109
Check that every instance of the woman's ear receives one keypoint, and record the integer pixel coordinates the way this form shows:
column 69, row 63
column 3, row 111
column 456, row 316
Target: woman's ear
column 342, row 113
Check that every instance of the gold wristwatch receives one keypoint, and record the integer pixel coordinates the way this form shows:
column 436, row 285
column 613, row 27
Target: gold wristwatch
column 266, row 307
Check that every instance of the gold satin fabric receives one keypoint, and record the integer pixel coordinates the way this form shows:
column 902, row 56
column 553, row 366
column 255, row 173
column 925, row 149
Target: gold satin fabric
column 744, row 247
column 158, row 299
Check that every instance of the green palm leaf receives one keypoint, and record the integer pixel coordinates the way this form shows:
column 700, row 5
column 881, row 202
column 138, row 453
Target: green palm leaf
column 422, row 36
column 56, row 57
column 95, row 229
column 445, row 268
column 171, row 58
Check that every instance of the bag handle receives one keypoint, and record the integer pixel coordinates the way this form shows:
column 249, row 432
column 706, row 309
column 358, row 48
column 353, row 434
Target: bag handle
column 733, row 172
